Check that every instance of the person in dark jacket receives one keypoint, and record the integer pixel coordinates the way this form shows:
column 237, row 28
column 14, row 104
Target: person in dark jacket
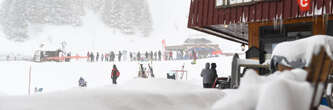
column 205, row 74
column 213, row 74
column 159, row 55
column 82, row 82
column 138, row 56
column 114, row 74
column 97, row 57
column 92, row 57
column 102, row 57
column 119, row 56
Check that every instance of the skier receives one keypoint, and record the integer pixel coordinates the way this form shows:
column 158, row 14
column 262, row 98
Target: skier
column 102, row 57
column 112, row 56
column 106, row 57
column 138, row 56
column 82, row 82
column 151, row 71
column 114, row 74
column 92, row 57
column 131, row 56
column 97, row 57
column 146, row 55
column 151, row 55
column 159, row 55
column 119, row 56
column 155, row 56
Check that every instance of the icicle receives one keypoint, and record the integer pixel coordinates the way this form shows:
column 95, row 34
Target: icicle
column 281, row 24
column 275, row 23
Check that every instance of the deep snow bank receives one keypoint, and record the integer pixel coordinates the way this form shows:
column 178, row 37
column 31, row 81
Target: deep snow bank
column 286, row 90
column 165, row 95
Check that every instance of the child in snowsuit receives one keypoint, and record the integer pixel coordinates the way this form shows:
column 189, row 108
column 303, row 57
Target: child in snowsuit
column 114, row 74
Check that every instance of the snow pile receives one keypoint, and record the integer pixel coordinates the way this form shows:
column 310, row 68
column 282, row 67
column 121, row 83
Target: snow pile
column 303, row 49
column 285, row 90
column 119, row 98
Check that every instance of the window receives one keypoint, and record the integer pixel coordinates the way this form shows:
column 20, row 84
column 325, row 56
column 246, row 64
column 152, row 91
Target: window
column 270, row 36
column 330, row 28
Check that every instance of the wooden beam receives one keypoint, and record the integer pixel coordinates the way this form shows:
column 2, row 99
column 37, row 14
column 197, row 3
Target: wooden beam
column 253, row 35
column 319, row 25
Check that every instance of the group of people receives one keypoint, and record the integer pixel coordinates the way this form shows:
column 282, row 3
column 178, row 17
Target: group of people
column 122, row 56
column 146, row 56
column 114, row 76
column 209, row 75
column 181, row 55
column 104, row 57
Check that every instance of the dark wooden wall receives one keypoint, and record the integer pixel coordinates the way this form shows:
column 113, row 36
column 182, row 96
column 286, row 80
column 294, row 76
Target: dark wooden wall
column 204, row 13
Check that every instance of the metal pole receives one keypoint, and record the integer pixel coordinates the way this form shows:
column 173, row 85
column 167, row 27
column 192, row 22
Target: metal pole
column 29, row 80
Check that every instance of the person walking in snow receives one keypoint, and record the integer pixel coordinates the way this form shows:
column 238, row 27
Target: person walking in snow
column 102, row 57
column 205, row 74
column 155, row 56
column 138, row 56
column 146, row 55
column 159, row 55
column 131, row 56
column 114, row 74
column 119, row 56
column 92, row 57
column 82, row 82
column 97, row 57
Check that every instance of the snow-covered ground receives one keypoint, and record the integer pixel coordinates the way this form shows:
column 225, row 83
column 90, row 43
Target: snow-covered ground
column 139, row 94
column 61, row 91
column 53, row 76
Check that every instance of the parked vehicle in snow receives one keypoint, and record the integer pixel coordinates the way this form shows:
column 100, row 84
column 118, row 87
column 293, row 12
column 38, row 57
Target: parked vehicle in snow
column 233, row 81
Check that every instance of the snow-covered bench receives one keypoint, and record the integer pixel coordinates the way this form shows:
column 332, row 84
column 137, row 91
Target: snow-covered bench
column 319, row 69
column 313, row 54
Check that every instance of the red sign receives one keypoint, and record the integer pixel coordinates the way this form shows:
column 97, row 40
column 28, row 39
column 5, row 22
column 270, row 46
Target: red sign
column 163, row 43
column 304, row 5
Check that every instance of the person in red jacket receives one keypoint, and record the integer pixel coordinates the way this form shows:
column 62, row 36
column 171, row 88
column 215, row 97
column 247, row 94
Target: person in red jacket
column 114, row 74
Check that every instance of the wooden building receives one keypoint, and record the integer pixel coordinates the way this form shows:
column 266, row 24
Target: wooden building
column 261, row 23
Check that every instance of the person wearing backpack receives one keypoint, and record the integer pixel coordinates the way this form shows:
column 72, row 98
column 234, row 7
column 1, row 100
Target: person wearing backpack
column 114, row 74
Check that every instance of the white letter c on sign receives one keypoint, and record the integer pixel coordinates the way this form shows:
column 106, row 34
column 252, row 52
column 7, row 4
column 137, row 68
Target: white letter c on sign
column 304, row 4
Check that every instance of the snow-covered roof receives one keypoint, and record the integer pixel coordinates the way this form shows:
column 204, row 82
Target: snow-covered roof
column 302, row 50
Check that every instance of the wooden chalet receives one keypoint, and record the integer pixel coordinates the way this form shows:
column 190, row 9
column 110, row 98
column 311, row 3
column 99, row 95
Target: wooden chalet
column 261, row 23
